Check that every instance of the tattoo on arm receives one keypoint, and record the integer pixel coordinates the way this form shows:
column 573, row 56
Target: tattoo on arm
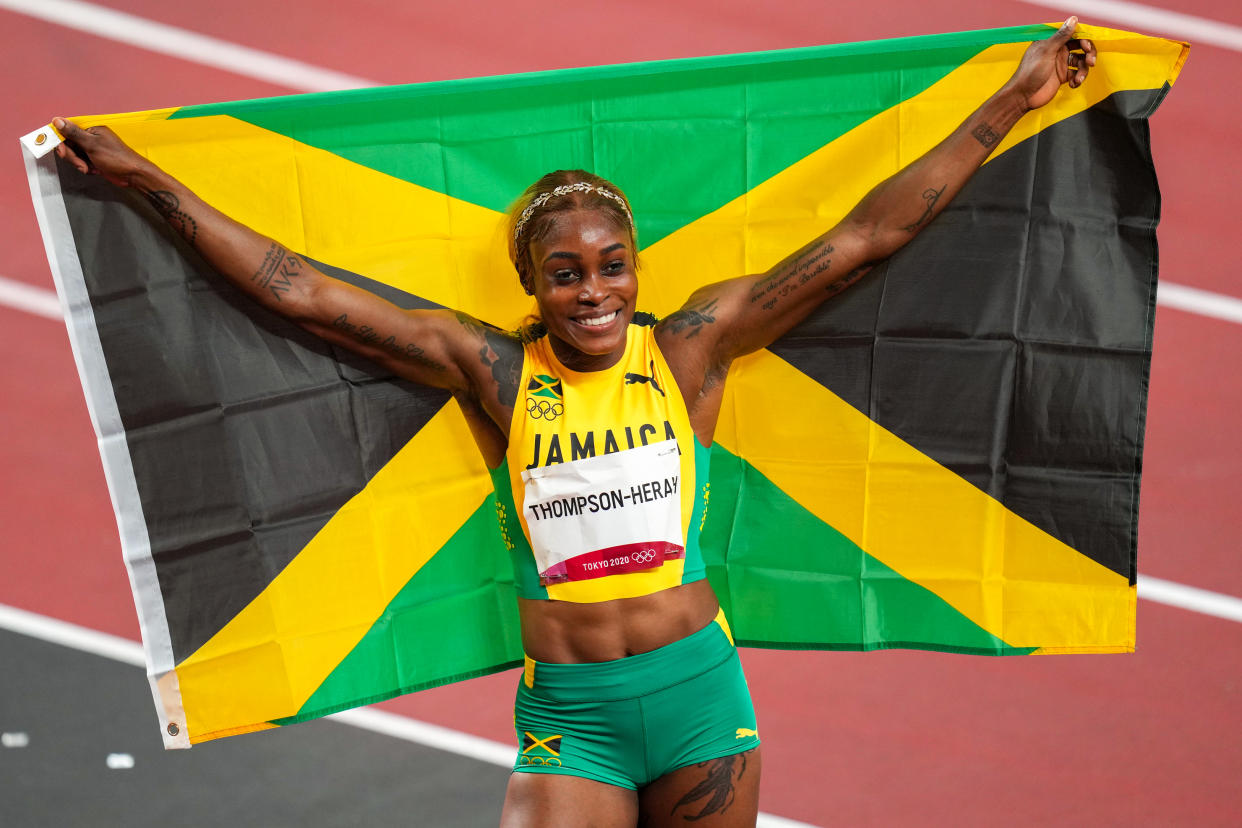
column 369, row 336
column 848, row 279
column 717, row 786
column 498, row 353
column 985, row 135
column 279, row 269
column 782, row 282
column 169, row 206
column 931, row 195
column 692, row 318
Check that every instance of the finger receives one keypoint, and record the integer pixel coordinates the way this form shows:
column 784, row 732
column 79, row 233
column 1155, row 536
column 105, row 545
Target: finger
column 73, row 151
column 67, row 129
column 1077, row 71
column 76, row 160
column 1083, row 65
column 1066, row 31
column 65, row 152
column 1088, row 49
column 1082, row 46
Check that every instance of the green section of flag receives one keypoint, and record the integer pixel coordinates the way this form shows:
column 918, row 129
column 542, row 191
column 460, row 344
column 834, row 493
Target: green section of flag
column 806, row 596
column 794, row 582
column 462, row 596
column 485, row 140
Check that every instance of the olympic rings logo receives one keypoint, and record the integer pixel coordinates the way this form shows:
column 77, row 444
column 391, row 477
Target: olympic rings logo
column 543, row 409
column 644, row 556
column 551, row 762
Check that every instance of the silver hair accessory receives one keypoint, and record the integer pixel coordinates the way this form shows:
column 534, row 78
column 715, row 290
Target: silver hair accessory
column 565, row 189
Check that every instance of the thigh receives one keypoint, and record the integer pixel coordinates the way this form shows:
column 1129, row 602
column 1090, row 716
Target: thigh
column 554, row 800
column 718, row 793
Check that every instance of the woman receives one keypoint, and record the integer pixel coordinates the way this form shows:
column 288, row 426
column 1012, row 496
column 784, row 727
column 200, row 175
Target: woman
column 594, row 422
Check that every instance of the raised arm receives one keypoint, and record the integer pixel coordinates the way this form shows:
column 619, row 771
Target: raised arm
column 725, row 320
column 437, row 348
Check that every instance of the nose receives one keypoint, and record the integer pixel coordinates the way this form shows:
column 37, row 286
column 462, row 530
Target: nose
column 593, row 289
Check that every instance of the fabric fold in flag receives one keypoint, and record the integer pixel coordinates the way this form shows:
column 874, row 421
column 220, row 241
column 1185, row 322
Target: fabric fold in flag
column 947, row 456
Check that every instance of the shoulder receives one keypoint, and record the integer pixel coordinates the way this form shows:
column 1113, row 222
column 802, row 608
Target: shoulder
column 690, row 337
column 688, row 322
column 498, row 356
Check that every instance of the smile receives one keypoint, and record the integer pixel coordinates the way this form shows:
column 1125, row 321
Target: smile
column 597, row 321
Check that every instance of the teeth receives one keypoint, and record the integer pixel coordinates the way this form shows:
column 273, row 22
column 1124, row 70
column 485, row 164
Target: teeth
column 599, row 320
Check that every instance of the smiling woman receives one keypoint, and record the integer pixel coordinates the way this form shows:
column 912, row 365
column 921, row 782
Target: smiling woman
column 595, row 422
column 572, row 241
column 578, row 261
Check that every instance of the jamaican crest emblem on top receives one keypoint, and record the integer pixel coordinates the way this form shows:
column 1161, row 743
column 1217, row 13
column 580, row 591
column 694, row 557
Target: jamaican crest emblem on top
column 544, row 397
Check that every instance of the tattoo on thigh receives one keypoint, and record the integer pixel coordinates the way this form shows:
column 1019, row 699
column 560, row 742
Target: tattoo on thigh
column 717, row 786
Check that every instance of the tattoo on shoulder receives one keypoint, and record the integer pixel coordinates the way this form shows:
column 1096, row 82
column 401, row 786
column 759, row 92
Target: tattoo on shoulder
column 499, row 351
column 718, row 786
column 369, row 336
column 169, row 206
column 691, row 319
column 985, row 135
column 788, row 277
column 930, row 196
column 278, row 271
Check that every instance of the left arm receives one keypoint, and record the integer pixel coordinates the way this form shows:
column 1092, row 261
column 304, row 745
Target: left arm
column 728, row 319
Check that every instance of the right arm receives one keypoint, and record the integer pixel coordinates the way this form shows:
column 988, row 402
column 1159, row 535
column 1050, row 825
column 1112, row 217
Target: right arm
column 437, row 348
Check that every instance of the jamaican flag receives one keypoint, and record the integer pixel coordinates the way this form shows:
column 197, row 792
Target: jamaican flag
column 946, row 456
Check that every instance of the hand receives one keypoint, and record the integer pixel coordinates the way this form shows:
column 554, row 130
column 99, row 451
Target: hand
column 1050, row 63
column 98, row 151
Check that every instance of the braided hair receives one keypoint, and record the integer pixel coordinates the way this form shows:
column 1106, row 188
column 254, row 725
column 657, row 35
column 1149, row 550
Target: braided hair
column 536, row 212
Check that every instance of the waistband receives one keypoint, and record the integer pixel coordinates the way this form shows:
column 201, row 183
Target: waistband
column 636, row 675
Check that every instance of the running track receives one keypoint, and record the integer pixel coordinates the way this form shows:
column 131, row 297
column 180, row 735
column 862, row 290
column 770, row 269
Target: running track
column 875, row 739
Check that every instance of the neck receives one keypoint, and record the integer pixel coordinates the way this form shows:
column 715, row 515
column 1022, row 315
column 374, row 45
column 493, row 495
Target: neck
column 580, row 361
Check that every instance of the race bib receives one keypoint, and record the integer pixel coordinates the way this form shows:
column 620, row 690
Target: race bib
column 618, row 512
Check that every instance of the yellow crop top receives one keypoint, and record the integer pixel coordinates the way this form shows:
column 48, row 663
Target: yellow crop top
column 603, row 490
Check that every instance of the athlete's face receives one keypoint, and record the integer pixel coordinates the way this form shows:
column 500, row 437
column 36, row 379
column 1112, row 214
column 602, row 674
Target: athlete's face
column 585, row 285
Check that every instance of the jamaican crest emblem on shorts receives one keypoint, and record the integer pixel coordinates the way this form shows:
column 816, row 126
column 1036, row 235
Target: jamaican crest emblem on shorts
column 540, row 749
column 544, row 398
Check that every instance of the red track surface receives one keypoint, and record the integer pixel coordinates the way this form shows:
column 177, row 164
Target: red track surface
column 883, row 738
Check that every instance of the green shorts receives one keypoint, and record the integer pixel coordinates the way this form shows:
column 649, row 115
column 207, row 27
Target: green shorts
column 630, row 721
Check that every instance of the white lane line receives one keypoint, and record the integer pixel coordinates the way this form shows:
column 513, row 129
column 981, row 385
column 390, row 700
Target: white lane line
column 186, row 45
column 423, row 733
column 429, row 735
column 1191, row 598
column 1196, row 30
column 43, row 302
column 24, row 297
column 69, row 635
column 1203, row 302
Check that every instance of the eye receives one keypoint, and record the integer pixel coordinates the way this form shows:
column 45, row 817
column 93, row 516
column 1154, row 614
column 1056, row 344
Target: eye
column 614, row 267
column 564, row 276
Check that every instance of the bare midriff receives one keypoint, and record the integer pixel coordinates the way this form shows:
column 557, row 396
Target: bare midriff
column 561, row 632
